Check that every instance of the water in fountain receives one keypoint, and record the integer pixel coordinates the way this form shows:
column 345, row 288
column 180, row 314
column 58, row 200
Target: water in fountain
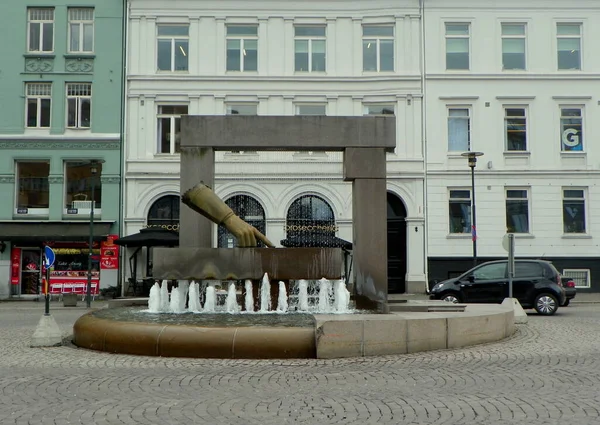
column 231, row 304
column 265, row 294
column 194, row 303
column 154, row 300
column 210, row 299
column 303, row 295
column 164, row 297
column 324, row 295
column 341, row 297
column 175, row 304
column 282, row 299
column 183, row 286
column 249, row 301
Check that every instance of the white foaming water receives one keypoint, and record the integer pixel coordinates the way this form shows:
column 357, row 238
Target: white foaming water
column 154, row 300
column 175, row 301
column 164, row 297
column 324, row 295
column 210, row 299
column 303, row 295
column 341, row 297
column 231, row 304
column 249, row 301
column 184, row 287
column 282, row 301
column 265, row 294
column 194, row 304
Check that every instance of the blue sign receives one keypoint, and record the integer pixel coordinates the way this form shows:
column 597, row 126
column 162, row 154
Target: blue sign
column 49, row 257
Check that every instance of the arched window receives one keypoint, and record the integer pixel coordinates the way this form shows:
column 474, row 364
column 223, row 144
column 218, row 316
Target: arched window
column 249, row 210
column 310, row 215
column 164, row 213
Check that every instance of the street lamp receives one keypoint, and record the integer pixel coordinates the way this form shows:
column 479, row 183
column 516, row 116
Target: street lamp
column 472, row 157
column 93, row 170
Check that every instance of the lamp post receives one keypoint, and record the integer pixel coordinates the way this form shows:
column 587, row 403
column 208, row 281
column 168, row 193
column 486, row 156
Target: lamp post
column 93, row 170
column 472, row 158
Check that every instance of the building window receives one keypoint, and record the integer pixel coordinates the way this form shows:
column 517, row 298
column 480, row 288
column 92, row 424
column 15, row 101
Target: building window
column 310, row 48
column 569, row 46
column 378, row 48
column 164, row 213
column 79, row 105
column 81, row 30
column 310, row 221
column 457, row 46
column 460, row 211
column 581, row 277
column 574, row 211
column 39, row 97
column 517, row 211
column 172, row 49
column 41, row 29
column 571, row 129
column 380, row 110
column 515, row 129
column 311, row 109
column 169, row 127
column 242, row 48
column 78, row 188
column 459, row 130
column 513, row 46
column 34, row 193
column 249, row 210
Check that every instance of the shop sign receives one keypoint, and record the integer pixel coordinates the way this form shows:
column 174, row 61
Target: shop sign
column 22, row 210
column 15, row 265
column 72, row 211
column 109, row 253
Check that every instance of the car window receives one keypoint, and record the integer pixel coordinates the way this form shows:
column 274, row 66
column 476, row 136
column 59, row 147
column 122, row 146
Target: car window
column 528, row 270
column 490, row 272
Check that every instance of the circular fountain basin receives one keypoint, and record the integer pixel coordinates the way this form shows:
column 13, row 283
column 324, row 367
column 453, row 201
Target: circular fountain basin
column 219, row 335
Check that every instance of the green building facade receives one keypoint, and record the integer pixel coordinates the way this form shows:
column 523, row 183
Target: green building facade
column 60, row 143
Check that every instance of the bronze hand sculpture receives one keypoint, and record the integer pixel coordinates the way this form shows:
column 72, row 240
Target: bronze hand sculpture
column 203, row 200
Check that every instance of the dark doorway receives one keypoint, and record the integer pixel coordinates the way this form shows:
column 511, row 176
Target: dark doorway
column 396, row 244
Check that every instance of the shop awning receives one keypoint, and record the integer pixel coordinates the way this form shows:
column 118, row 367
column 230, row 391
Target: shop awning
column 42, row 231
column 316, row 240
column 152, row 236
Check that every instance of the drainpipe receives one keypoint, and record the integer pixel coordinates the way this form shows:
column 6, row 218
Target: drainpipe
column 424, row 144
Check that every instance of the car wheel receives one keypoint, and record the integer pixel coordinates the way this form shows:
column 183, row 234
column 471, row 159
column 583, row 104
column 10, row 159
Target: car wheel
column 566, row 303
column 451, row 298
column 546, row 304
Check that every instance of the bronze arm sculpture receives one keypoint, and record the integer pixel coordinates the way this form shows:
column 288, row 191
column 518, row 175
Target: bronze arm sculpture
column 204, row 201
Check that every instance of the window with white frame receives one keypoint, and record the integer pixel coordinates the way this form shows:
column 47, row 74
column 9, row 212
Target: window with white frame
column 380, row 109
column 242, row 109
column 581, row 277
column 459, row 129
column 79, row 105
column 40, row 29
column 457, row 46
column 571, row 129
column 378, row 48
column 172, row 48
column 515, row 129
column 80, row 176
column 459, row 207
column 568, row 39
column 574, row 210
column 39, row 100
column 513, row 46
column 33, row 195
column 242, row 48
column 169, row 128
column 81, row 30
column 517, row 210
column 310, row 48
column 311, row 109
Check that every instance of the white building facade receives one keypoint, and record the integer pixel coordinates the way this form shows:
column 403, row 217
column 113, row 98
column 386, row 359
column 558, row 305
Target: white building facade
column 333, row 58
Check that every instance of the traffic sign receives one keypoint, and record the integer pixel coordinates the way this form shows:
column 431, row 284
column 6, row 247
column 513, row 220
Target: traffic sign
column 49, row 257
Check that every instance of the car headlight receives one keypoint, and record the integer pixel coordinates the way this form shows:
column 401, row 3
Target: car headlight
column 436, row 287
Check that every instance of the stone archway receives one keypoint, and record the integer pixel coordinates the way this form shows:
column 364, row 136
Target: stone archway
column 164, row 213
column 396, row 244
column 251, row 211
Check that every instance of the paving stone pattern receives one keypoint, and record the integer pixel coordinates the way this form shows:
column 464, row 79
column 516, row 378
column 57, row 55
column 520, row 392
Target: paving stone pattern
column 547, row 373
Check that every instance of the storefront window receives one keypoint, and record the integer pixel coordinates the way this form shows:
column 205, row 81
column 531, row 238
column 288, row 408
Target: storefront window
column 249, row 210
column 310, row 217
column 79, row 178
column 164, row 213
column 33, row 196
column 70, row 270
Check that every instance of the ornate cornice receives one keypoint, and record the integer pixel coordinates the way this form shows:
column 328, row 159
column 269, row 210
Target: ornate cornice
column 58, row 145
column 110, row 179
column 7, row 179
column 39, row 64
column 56, row 179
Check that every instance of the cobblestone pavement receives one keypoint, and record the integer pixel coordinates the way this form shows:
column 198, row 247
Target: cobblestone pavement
column 547, row 373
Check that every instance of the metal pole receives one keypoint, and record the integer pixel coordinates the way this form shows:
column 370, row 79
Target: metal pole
column 511, row 263
column 474, row 218
column 91, row 245
column 47, row 288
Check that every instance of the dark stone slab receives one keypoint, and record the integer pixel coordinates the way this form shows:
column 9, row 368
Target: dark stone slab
column 364, row 163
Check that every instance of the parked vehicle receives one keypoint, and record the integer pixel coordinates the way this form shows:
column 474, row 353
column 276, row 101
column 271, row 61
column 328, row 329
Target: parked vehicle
column 570, row 291
column 536, row 284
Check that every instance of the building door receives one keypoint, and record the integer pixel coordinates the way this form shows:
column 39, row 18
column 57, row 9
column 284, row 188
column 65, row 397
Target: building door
column 31, row 269
column 396, row 244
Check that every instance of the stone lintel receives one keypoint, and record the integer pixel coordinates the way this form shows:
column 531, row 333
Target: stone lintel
column 364, row 163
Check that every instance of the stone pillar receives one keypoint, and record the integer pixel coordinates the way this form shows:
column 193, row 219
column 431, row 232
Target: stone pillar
column 415, row 256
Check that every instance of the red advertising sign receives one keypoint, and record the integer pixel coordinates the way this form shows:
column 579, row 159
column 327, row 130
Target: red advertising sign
column 15, row 265
column 109, row 253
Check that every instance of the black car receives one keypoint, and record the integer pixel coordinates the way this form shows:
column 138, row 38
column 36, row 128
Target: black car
column 570, row 290
column 536, row 284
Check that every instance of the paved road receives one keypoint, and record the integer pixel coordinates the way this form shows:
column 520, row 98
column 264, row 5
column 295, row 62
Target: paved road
column 548, row 373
